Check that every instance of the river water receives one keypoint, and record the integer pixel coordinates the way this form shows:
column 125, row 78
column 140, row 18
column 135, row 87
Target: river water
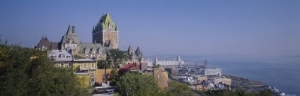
column 281, row 72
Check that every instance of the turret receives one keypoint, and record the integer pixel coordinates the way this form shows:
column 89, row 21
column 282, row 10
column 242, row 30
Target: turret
column 139, row 54
column 130, row 50
column 70, row 39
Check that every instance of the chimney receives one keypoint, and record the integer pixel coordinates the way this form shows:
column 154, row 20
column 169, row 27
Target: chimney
column 73, row 29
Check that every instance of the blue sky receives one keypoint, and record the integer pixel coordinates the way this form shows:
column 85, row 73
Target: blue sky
column 189, row 27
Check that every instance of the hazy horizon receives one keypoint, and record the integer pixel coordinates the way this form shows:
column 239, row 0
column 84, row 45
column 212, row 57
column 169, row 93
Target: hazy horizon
column 248, row 28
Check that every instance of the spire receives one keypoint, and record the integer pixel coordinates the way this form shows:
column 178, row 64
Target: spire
column 106, row 19
column 69, row 30
column 46, row 38
column 70, row 36
column 116, row 28
column 139, row 54
column 130, row 50
column 93, row 28
column 106, row 22
column 73, row 29
column 138, row 51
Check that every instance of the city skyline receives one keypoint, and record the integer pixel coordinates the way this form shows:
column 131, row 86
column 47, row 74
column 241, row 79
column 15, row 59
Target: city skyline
column 268, row 27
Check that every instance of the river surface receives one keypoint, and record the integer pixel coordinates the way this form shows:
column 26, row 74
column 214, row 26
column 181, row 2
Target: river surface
column 281, row 72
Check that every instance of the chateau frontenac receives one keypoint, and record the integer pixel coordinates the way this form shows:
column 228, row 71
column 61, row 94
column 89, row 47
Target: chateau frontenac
column 105, row 36
column 70, row 52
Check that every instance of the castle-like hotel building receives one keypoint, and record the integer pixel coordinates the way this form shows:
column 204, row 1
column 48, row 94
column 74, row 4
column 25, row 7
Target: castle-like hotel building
column 105, row 36
column 83, row 57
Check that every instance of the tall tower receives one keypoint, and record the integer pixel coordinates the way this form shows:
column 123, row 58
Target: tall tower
column 106, row 32
column 70, row 40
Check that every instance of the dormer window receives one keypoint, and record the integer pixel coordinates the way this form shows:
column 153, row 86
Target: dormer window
column 93, row 65
column 84, row 65
column 86, row 50
column 110, row 27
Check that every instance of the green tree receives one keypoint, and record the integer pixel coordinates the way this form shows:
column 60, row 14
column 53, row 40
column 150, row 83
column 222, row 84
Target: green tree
column 179, row 89
column 114, row 77
column 156, row 66
column 116, row 57
column 102, row 64
column 135, row 84
column 222, row 93
column 265, row 93
column 25, row 71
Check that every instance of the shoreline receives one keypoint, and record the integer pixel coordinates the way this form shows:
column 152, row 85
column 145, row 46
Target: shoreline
column 250, row 86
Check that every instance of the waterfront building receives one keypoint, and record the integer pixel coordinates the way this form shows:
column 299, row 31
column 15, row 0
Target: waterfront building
column 177, row 62
column 149, row 62
column 200, row 78
column 199, row 87
column 174, row 71
column 222, row 80
column 212, row 71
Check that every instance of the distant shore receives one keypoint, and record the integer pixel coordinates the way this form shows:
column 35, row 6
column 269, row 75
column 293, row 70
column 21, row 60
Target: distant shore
column 250, row 86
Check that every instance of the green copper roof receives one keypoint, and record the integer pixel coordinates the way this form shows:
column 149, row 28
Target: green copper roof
column 106, row 19
column 106, row 23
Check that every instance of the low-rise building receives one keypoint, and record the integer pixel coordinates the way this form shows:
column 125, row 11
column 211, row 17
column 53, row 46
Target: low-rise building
column 200, row 78
column 222, row 80
column 199, row 87
column 174, row 71
column 61, row 58
column 177, row 62
column 212, row 72
column 85, row 70
column 160, row 76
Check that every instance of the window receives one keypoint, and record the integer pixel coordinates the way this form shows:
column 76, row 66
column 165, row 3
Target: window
column 62, row 55
column 84, row 65
column 93, row 65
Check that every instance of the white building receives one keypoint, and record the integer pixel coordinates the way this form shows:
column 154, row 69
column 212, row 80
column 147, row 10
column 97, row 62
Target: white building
column 212, row 71
column 223, row 80
column 150, row 63
column 177, row 62
column 62, row 58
